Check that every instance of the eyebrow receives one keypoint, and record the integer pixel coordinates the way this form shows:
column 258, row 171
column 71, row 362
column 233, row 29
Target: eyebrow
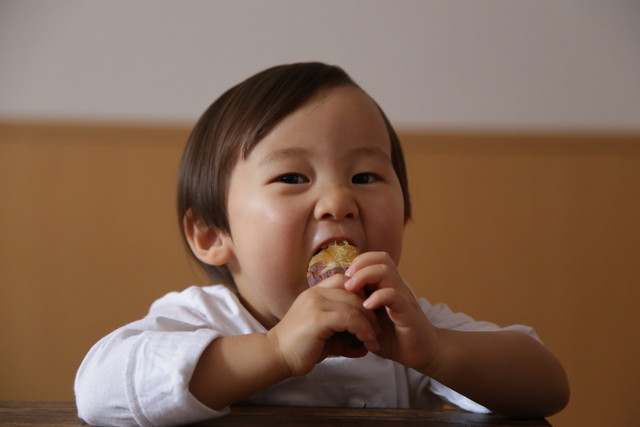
column 372, row 152
column 291, row 152
column 283, row 154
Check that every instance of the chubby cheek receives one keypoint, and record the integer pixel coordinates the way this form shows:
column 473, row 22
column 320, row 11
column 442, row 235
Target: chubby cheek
column 267, row 239
column 263, row 235
column 265, row 272
column 387, row 229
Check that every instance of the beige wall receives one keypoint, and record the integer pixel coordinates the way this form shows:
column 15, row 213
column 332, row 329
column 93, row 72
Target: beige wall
column 541, row 230
column 495, row 64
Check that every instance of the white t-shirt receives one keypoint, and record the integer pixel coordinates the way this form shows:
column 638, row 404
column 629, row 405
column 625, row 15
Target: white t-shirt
column 140, row 373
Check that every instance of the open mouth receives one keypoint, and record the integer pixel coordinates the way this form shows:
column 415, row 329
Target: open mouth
column 333, row 243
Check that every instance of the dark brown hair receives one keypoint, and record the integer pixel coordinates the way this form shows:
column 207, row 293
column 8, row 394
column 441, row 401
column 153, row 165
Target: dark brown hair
column 233, row 125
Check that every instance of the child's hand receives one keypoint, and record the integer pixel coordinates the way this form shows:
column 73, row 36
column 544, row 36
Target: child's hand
column 407, row 335
column 314, row 326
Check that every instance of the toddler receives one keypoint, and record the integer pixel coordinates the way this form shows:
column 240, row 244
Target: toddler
column 285, row 163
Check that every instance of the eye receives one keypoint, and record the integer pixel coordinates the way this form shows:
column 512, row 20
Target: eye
column 364, row 178
column 292, row 178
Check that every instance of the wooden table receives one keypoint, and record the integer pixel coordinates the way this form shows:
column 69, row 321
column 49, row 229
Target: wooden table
column 64, row 414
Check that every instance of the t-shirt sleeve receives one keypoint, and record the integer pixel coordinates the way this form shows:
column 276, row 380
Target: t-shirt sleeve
column 441, row 316
column 140, row 373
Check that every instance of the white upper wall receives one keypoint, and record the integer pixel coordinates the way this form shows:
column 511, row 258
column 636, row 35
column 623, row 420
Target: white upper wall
column 545, row 64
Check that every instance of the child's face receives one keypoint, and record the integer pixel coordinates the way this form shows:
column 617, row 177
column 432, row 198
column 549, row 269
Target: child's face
column 322, row 174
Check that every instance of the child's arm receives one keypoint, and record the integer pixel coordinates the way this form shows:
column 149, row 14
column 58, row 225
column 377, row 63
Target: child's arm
column 505, row 371
column 508, row 372
column 140, row 373
column 235, row 367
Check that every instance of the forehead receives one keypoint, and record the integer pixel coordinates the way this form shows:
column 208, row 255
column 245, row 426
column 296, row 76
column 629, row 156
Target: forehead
column 343, row 118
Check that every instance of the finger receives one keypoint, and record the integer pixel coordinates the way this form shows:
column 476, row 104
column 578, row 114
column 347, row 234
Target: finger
column 399, row 307
column 340, row 295
column 354, row 322
column 335, row 298
column 366, row 259
column 376, row 275
column 389, row 298
column 342, row 344
column 332, row 282
column 346, row 304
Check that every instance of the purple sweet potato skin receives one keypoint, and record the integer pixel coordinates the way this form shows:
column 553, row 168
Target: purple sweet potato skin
column 314, row 276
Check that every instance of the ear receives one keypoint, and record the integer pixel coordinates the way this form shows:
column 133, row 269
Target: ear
column 207, row 244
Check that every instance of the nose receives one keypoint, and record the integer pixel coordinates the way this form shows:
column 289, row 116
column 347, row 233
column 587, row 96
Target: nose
column 336, row 203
